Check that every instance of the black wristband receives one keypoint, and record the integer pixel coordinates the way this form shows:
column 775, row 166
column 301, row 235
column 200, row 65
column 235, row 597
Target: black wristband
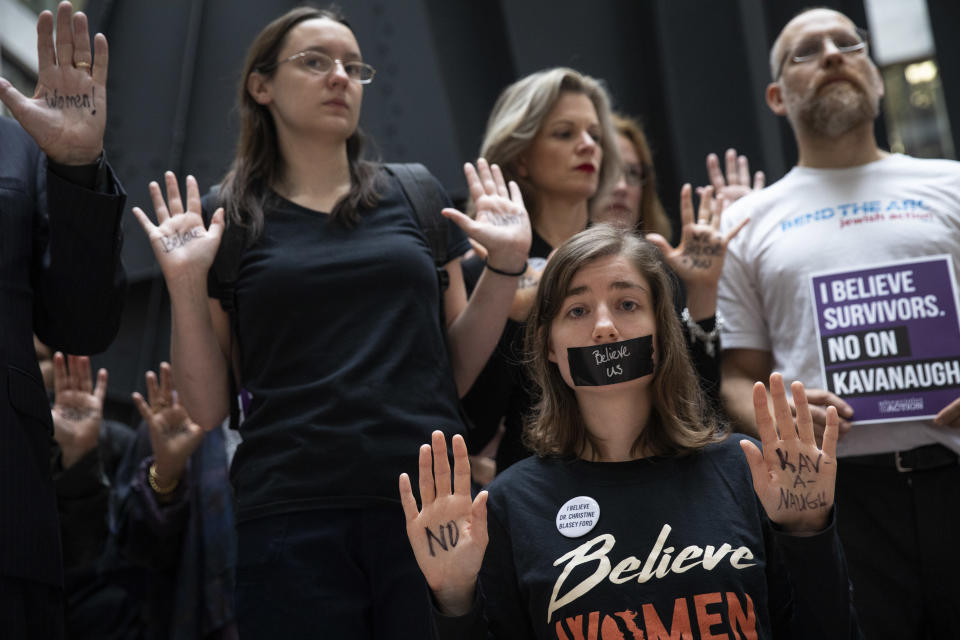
column 487, row 265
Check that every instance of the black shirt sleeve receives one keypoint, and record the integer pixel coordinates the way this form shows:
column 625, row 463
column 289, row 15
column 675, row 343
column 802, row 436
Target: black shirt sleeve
column 79, row 279
column 82, row 494
column 810, row 591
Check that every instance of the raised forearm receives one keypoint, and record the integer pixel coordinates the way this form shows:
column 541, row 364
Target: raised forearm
column 740, row 369
column 150, row 531
column 702, row 301
column 474, row 334
column 73, row 450
column 736, row 390
column 200, row 372
column 523, row 299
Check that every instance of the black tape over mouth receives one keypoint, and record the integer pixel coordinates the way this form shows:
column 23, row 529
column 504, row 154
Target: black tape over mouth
column 611, row 363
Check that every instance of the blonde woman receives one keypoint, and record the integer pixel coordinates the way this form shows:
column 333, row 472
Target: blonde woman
column 554, row 134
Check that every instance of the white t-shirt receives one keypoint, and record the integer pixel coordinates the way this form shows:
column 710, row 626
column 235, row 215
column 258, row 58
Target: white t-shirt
column 824, row 219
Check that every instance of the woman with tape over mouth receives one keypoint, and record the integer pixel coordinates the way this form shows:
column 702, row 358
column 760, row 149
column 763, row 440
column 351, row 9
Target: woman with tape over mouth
column 638, row 517
column 554, row 133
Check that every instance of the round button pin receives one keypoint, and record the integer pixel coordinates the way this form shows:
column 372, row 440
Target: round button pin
column 578, row 516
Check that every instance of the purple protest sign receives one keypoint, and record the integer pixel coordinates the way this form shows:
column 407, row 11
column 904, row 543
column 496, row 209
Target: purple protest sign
column 889, row 337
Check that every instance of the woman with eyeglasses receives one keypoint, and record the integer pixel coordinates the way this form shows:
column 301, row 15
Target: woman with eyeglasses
column 632, row 202
column 638, row 517
column 331, row 322
column 554, row 134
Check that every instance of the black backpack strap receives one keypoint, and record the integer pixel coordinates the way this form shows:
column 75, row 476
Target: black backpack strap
column 226, row 264
column 428, row 200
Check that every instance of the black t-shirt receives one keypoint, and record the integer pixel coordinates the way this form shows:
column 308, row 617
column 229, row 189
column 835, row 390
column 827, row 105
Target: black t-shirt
column 681, row 547
column 342, row 351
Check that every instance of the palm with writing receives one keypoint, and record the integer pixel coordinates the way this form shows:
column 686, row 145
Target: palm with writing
column 698, row 259
column 502, row 225
column 183, row 246
column 737, row 182
column 68, row 112
column 449, row 533
column 173, row 435
column 794, row 478
column 77, row 406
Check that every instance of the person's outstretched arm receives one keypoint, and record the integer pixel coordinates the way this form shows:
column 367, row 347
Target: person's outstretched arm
column 200, row 336
column 795, row 480
column 78, row 280
column 503, row 228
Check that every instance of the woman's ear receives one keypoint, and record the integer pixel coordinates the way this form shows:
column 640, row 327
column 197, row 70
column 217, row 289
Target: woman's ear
column 521, row 166
column 259, row 87
column 551, row 353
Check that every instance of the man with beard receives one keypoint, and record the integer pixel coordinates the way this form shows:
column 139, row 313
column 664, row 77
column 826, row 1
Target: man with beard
column 848, row 205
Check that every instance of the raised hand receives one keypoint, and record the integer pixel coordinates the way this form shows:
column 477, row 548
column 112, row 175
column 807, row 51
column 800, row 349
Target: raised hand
column 181, row 243
column 737, row 182
column 793, row 478
column 502, row 225
column 77, row 407
column 173, row 435
column 698, row 259
column 449, row 533
column 68, row 112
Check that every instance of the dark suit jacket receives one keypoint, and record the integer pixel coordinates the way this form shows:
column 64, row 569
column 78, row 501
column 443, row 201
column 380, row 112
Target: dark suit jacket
column 60, row 277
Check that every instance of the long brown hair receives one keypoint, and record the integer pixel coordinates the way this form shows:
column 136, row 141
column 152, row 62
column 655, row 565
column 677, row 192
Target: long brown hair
column 653, row 217
column 679, row 421
column 258, row 164
column 518, row 116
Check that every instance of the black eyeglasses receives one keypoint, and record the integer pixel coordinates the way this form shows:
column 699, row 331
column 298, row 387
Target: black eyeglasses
column 812, row 47
column 321, row 64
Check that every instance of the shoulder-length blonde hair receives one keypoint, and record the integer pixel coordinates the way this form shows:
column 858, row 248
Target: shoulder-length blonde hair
column 653, row 217
column 518, row 116
column 680, row 421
